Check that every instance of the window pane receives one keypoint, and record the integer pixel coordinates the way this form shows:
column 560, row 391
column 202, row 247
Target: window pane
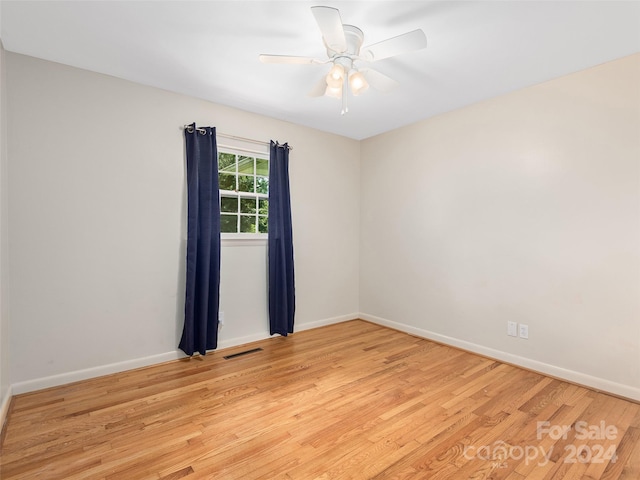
column 227, row 162
column 263, row 206
column 245, row 183
column 263, row 224
column 262, row 185
column 227, row 181
column 244, row 186
column 228, row 223
column 262, row 167
column 247, row 224
column 247, row 205
column 229, row 204
column 245, row 165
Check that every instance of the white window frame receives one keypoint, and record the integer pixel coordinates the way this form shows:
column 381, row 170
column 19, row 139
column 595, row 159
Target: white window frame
column 243, row 238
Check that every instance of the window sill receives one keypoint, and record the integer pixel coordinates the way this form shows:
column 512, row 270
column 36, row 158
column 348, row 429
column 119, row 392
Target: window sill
column 243, row 239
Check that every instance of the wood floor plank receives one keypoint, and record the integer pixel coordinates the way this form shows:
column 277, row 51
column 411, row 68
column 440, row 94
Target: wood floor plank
column 349, row 401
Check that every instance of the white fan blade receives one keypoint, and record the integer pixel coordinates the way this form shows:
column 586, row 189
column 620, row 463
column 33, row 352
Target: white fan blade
column 330, row 24
column 406, row 42
column 378, row 80
column 290, row 59
column 319, row 89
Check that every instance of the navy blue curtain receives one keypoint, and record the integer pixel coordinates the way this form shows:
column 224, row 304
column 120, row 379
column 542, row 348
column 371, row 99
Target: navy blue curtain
column 282, row 295
column 202, row 299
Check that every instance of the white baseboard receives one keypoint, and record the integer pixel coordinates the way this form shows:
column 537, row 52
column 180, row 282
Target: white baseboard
column 597, row 383
column 327, row 321
column 85, row 374
column 236, row 341
column 4, row 406
column 580, row 378
column 299, row 327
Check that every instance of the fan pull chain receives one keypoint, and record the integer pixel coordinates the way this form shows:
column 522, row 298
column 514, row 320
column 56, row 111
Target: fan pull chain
column 345, row 88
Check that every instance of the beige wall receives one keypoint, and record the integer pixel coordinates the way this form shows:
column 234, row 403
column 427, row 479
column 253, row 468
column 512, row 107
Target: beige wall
column 97, row 213
column 5, row 390
column 522, row 208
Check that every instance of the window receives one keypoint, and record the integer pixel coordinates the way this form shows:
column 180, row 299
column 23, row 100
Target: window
column 244, row 189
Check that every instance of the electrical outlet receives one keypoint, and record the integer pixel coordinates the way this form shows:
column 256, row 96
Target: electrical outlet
column 524, row 331
column 512, row 329
column 221, row 319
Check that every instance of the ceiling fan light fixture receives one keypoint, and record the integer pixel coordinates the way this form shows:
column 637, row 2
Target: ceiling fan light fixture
column 357, row 82
column 335, row 92
column 335, row 76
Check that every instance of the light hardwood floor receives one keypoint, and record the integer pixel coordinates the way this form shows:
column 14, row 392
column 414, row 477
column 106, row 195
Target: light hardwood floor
column 349, row 401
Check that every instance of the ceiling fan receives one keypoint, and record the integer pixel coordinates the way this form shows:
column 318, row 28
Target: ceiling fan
column 345, row 53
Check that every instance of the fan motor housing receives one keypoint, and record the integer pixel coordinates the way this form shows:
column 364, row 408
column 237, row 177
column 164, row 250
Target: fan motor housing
column 354, row 38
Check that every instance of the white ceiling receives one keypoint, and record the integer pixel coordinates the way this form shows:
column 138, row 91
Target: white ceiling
column 209, row 49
